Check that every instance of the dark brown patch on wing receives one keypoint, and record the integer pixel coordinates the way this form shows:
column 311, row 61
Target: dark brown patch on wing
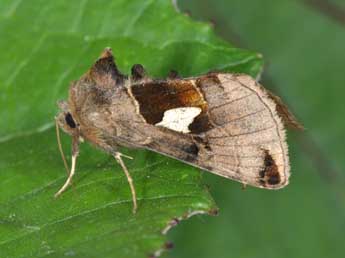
column 192, row 151
column 203, row 142
column 269, row 174
column 200, row 124
column 156, row 97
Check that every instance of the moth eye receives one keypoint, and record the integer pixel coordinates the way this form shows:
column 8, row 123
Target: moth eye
column 70, row 121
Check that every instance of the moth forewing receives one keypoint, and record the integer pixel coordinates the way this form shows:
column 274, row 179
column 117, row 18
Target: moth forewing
column 244, row 138
column 249, row 137
column 274, row 154
column 223, row 123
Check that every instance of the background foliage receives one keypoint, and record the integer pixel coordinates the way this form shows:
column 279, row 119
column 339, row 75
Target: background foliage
column 303, row 47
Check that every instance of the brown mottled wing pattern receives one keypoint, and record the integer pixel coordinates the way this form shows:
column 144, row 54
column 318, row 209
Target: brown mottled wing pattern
column 156, row 97
column 248, row 139
column 237, row 135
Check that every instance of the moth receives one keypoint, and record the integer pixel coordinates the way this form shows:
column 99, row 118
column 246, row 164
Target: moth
column 223, row 123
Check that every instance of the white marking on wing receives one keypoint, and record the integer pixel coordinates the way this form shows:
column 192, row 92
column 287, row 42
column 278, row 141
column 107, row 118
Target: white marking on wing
column 178, row 119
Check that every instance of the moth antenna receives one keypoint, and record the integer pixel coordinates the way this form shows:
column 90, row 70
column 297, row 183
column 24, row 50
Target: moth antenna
column 119, row 160
column 60, row 146
column 75, row 152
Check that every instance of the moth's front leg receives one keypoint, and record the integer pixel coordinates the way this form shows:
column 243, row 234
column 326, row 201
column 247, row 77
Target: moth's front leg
column 118, row 156
column 75, row 153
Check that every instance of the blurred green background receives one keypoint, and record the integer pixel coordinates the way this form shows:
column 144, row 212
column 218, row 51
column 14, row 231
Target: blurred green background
column 303, row 44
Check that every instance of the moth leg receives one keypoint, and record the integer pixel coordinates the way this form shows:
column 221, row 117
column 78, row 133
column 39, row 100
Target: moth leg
column 118, row 158
column 75, row 153
column 69, row 179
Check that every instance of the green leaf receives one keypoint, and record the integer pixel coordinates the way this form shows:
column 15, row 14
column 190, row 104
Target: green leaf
column 45, row 45
column 94, row 218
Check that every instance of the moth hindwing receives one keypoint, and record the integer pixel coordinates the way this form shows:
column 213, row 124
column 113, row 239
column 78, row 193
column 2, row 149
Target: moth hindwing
column 220, row 122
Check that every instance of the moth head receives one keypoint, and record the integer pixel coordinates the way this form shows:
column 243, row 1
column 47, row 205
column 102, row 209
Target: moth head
column 65, row 119
column 68, row 124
